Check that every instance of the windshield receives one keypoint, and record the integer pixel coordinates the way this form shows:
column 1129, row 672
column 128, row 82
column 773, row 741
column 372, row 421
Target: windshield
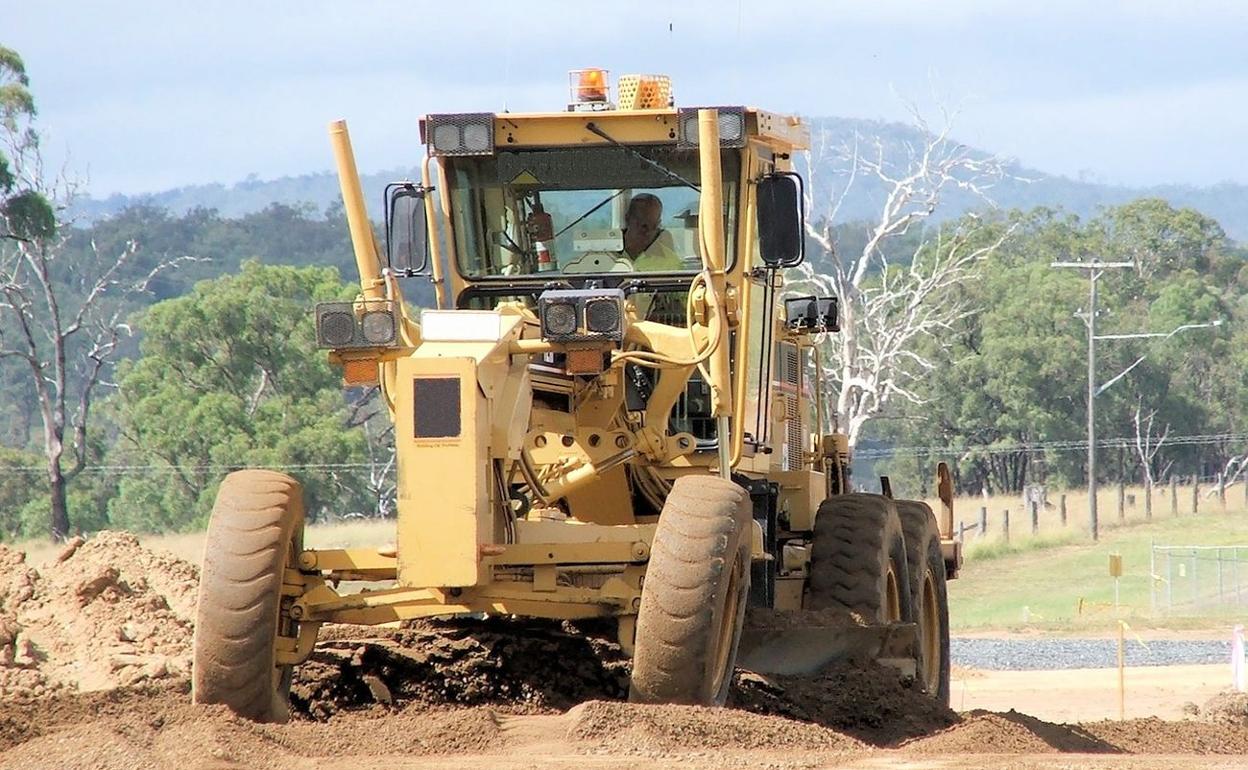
column 582, row 211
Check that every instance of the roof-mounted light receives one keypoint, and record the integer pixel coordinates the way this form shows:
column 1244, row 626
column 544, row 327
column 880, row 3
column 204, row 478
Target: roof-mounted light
column 589, row 89
column 731, row 126
column 468, row 133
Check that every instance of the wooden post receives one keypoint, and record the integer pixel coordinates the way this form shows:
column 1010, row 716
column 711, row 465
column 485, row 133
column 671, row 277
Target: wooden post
column 1061, row 508
column 983, row 520
column 1195, row 494
column 1222, row 490
column 1005, row 525
column 1174, row 496
column 1035, row 515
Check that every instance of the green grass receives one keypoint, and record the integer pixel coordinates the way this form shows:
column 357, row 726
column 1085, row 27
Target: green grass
column 1039, row 582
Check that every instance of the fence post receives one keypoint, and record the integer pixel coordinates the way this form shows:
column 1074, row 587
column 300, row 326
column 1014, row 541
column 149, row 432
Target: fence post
column 1152, row 576
column 983, row 520
column 1005, row 525
column 1174, row 496
column 1222, row 490
column 1061, row 508
column 1148, row 499
column 1122, row 500
column 1035, row 516
column 1195, row 494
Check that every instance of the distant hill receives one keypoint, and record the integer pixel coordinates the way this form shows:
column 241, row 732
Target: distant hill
column 1226, row 202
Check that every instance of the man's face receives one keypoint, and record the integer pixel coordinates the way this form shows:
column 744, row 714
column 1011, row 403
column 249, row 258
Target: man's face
column 641, row 224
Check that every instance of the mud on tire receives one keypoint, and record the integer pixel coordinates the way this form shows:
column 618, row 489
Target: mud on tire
column 694, row 594
column 256, row 530
column 928, row 595
column 858, row 559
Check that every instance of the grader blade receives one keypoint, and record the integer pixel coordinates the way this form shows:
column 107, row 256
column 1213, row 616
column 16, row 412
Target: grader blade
column 808, row 649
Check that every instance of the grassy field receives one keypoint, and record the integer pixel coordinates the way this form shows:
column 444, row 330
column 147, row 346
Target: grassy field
column 1055, row 580
column 1062, row 581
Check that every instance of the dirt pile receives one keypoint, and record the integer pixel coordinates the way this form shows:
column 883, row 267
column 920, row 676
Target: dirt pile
column 105, row 612
column 525, row 665
column 870, row 702
column 642, row 729
column 1227, row 707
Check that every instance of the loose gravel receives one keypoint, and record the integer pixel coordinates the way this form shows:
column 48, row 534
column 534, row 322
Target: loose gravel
column 1053, row 654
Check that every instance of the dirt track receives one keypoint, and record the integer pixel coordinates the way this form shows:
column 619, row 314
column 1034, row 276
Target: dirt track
column 94, row 650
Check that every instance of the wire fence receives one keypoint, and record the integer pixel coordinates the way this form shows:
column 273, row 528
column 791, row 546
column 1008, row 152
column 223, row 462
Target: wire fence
column 1200, row 580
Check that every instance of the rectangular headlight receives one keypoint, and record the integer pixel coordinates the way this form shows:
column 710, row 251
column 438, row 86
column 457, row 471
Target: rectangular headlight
column 465, row 133
column 731, row 126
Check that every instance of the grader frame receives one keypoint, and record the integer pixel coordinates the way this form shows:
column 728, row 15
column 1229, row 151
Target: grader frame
column 534, row 480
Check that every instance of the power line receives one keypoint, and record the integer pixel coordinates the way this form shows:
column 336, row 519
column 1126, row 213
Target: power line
column 1059, row 446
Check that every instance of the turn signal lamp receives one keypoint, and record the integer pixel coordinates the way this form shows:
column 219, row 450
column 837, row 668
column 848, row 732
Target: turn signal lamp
column 359, row 371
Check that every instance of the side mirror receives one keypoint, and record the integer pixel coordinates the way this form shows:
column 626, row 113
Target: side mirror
column 781, row 220
column 812, row 314
column 406, row 233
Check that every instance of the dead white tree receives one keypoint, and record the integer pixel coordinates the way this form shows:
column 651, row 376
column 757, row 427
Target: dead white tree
column 62, row 319
column 892, row 307
column 1146, row 447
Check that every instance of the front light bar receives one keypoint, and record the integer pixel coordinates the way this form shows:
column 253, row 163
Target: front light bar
column 581, row 315
column 359, row 324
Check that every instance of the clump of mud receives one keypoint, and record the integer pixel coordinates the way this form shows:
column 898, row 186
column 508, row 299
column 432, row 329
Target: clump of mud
column 104, row 613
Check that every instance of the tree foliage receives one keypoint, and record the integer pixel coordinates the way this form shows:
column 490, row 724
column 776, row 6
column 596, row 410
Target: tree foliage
column 228, row 377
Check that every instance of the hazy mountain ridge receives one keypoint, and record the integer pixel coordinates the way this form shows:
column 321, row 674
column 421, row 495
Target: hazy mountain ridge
column 1226, row 202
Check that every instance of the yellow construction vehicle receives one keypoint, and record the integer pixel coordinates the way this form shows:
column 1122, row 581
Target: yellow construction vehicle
column 613, row 411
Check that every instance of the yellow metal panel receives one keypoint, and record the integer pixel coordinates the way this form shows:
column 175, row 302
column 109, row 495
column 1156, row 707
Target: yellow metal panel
column 573, row 553
column 605, row 501
column 568, row 128
column 443, row 497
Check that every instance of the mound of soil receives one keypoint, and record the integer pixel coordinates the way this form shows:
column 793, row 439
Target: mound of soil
column 629, row 728
column 525, row 665
column 1010, row 733
column 1227, row 707
column 870, row 702
column 106, row 612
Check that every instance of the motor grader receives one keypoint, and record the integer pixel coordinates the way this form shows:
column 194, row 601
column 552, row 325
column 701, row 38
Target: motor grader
column 588, row 425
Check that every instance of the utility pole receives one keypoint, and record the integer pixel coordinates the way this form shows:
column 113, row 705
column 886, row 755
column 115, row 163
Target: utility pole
column 1095, row 269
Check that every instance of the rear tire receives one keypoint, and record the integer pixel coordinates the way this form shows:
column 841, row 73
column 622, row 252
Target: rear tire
column 858, row 559
column 929, row 595
column 694, row 594
column 255, row 533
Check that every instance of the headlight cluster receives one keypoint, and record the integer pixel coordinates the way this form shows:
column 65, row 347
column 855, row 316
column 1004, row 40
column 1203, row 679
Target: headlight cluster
column 467, row 133
column 582, row 315
column 347, row 325
column 731, row 127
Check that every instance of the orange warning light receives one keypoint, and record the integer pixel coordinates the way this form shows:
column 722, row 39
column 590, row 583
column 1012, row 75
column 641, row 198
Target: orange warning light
column 588, row 85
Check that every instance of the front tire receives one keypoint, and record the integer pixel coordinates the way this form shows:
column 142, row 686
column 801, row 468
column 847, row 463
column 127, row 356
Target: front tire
column 694, row 594
column 255, row 533
column 929, row 595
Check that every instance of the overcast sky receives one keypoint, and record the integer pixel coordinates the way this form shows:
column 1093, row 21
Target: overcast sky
column 144, row 96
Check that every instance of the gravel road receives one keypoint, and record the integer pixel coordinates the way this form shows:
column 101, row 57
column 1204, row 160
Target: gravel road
column 1051, row 654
